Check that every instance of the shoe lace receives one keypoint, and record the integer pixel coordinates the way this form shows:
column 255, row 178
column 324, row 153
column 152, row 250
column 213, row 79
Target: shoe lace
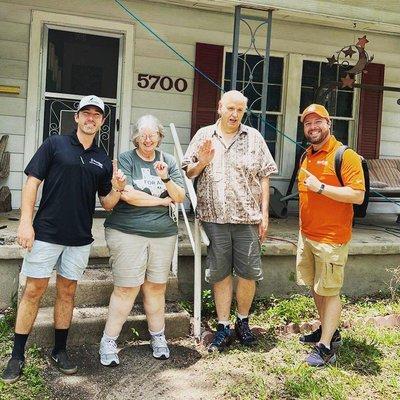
column 111, row 347
column 245, row 330
column 159, row 342
column 219, row 337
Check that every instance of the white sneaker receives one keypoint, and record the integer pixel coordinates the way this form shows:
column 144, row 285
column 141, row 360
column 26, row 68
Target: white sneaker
column 108, row 353
column 159, row 346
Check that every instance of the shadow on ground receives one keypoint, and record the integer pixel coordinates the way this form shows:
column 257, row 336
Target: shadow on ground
column 359, row 356
column 139, row 375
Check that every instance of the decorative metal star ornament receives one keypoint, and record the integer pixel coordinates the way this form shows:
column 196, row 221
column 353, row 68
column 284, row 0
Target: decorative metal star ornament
column 347, row 81
column 349, row 52
column 332, row 60
column 362, row 41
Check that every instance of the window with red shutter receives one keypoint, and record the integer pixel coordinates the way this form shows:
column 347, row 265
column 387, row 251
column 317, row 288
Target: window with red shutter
column 209, row 60
column 370, row 116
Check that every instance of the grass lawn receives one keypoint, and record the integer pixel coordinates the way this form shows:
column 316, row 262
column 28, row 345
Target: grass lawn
column 31, row 385
column 368, row 365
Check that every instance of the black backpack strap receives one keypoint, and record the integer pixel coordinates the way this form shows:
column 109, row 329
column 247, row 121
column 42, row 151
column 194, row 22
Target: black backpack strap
column 338, row 162
column 302, row 158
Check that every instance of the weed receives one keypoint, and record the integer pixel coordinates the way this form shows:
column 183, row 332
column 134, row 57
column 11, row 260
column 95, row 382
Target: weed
column 394, row 283
column 135, row 334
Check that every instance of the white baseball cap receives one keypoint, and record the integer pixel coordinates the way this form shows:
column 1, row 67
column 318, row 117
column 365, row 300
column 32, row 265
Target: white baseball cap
column 91, row 100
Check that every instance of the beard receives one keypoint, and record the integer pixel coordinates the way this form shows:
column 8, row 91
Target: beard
column 317, row 138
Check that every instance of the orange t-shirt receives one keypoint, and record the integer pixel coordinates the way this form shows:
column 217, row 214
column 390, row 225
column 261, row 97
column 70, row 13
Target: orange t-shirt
column 321, row 218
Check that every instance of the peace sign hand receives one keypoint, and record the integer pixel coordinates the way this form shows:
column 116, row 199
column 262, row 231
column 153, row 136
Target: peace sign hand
column 118, row 180
column 312, row 183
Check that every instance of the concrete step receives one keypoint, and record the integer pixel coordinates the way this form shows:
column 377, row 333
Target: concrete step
column 88, row 325
column 95, row 288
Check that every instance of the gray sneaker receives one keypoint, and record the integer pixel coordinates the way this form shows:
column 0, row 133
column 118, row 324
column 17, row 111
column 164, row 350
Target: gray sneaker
column 108, row 353
column 321, row 356
column 159, row 345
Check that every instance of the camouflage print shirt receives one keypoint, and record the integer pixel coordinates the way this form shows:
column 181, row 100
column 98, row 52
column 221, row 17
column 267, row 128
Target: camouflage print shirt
column 229, row 188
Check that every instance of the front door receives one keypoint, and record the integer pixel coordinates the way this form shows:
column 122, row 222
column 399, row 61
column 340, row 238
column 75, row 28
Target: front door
column 79, row 64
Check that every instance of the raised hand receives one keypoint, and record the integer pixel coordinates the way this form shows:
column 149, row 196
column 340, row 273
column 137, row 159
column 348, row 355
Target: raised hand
column 205, row 153
column 312, row 182
column 118, row 180
column 161, row 169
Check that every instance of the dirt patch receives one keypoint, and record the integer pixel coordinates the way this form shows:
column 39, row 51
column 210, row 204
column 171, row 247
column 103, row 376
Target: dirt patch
column 139, row 376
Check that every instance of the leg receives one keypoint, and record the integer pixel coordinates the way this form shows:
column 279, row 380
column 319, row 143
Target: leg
column 219, row 275
column 37, row 267
column 247, row 265
column 245, row 291
column 64, row 304
column 223, row 297
column 154, row 305
column 121, row 303
column 330, row 322
column 319, row 303
column 29, row 305
column 219, row 266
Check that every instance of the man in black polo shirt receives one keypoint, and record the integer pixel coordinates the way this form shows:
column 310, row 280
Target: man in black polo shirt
column 73, row 169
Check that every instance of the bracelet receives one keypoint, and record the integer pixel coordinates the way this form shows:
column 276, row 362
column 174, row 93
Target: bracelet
column 117, row 190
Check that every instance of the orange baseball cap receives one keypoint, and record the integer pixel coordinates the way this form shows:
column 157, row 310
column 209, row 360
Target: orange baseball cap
column 315, row 109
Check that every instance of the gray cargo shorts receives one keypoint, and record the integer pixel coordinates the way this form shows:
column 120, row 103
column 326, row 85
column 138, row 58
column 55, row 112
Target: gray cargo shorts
column 234, row 248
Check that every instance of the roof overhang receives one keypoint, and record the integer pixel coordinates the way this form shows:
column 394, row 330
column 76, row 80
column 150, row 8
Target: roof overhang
column 356, row 14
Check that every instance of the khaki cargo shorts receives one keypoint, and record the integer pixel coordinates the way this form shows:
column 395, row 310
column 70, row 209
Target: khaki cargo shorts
column 321, row 265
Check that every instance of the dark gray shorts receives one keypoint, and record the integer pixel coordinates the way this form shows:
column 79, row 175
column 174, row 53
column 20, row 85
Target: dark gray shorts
column 233, row 248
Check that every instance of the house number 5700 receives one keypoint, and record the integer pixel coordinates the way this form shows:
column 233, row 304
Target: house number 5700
column 164, row 82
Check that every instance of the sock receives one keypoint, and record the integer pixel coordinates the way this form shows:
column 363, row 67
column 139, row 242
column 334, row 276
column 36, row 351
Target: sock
column 60, row 340
column 328, row 347
column 19, row 346
column 224, row 323
column 108, row 338
column 240, row 316
column 160, row 333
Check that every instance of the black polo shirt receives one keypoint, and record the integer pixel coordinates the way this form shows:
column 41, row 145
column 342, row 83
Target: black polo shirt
column 72, row 176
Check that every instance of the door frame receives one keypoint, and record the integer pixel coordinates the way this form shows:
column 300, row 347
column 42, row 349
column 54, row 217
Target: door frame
column 35, row 93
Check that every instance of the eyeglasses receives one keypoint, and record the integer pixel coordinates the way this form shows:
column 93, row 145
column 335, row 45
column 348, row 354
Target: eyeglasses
column 152, row 137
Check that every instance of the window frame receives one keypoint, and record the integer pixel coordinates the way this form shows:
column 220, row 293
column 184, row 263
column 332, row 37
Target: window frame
column 353, row 121
column 280, row 114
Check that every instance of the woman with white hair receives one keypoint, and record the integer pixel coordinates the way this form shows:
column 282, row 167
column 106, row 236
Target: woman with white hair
column 141, row 236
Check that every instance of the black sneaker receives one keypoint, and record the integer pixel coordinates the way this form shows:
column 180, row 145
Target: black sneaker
column 243, row 332
column 314, row 337
column 63, row 363
column 222, row 339
column 13, row 370
column 321, row 356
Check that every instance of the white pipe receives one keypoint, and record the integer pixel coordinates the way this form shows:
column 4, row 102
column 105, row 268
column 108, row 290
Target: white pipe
column 197, row 282
column 197, row 241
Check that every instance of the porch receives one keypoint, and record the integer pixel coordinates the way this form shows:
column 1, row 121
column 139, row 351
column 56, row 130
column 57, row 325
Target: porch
column 374, row 250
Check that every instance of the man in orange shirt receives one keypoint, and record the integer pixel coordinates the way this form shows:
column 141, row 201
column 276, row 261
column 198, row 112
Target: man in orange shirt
column 326, row 214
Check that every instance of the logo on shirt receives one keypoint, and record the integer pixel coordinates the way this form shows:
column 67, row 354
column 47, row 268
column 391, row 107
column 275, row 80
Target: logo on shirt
column 322, row 162
column 150, row 182
column 94, row 162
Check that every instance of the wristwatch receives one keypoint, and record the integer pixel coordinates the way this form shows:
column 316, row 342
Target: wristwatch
column 167, row 179
column 321, row 189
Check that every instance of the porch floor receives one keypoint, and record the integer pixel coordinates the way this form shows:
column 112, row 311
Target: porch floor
column 375, row 234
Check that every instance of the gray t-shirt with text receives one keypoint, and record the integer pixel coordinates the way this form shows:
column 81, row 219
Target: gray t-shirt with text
column 152, row 221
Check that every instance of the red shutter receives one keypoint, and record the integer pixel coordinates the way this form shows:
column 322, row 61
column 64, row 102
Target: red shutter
column 209, row 60
column 370, row 117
